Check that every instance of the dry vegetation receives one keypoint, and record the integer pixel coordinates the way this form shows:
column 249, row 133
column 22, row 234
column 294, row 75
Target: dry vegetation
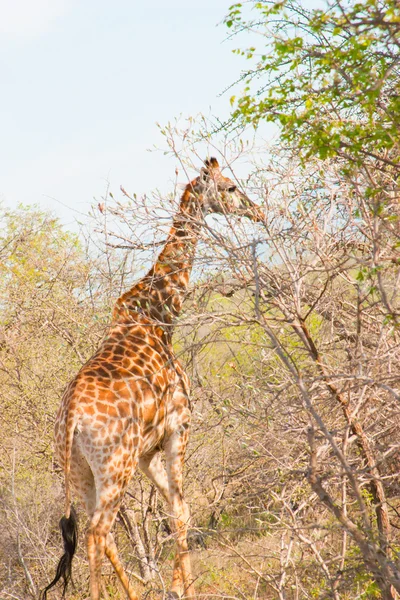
column 290, row 334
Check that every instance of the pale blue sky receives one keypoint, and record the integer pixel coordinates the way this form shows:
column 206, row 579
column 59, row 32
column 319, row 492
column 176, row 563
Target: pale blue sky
column 85, row 81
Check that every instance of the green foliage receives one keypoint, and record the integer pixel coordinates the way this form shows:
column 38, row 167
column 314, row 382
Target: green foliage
column 329, row 77
column 51, row 318
column 43, row 278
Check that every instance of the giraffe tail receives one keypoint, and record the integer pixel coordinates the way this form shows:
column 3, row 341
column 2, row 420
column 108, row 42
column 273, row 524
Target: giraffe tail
column 69, row 531
column 68, row 524
column 69, row 437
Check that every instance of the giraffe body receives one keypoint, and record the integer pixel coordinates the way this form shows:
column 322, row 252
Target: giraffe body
column 131, row 399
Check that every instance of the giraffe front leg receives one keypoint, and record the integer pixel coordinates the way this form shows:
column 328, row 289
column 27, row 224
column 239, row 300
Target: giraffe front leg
column 175, row 451
column 152, row 466
column 182, row 580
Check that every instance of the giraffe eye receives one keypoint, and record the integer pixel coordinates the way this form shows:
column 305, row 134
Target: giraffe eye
column 232, row 188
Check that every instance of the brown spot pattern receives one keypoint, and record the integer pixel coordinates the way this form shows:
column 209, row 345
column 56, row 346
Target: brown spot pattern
column 131, row 399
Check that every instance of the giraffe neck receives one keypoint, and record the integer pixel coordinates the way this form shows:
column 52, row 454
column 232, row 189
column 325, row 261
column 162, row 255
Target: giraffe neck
column 160, row 294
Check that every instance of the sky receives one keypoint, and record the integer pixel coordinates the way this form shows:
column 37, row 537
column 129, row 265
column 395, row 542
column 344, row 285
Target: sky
column 84, row 83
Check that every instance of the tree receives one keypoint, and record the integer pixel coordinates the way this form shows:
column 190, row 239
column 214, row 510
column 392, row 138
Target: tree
column 51, row 317
column 290, row 335
column 329, row 77
column 317, row 397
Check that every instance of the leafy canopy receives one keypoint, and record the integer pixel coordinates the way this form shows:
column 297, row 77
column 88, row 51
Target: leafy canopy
column 329, row 77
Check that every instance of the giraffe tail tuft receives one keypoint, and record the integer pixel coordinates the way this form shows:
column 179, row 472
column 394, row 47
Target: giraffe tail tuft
column 69, row 532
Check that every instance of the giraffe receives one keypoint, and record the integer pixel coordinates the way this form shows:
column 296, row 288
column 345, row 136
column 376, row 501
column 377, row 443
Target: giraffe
column 131, row 399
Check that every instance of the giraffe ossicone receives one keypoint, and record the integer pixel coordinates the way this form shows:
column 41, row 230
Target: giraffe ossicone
column 130, row 401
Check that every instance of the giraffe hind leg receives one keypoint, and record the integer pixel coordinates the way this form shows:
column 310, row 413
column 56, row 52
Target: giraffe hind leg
column 111, row 480
column 99, row 542
column 112, row 555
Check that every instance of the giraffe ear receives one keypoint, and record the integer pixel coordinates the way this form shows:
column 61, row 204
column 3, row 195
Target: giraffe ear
column 212, row 163
column 208, row 172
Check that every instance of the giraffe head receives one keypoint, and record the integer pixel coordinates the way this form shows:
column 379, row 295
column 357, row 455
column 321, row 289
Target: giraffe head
column 219, row 194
